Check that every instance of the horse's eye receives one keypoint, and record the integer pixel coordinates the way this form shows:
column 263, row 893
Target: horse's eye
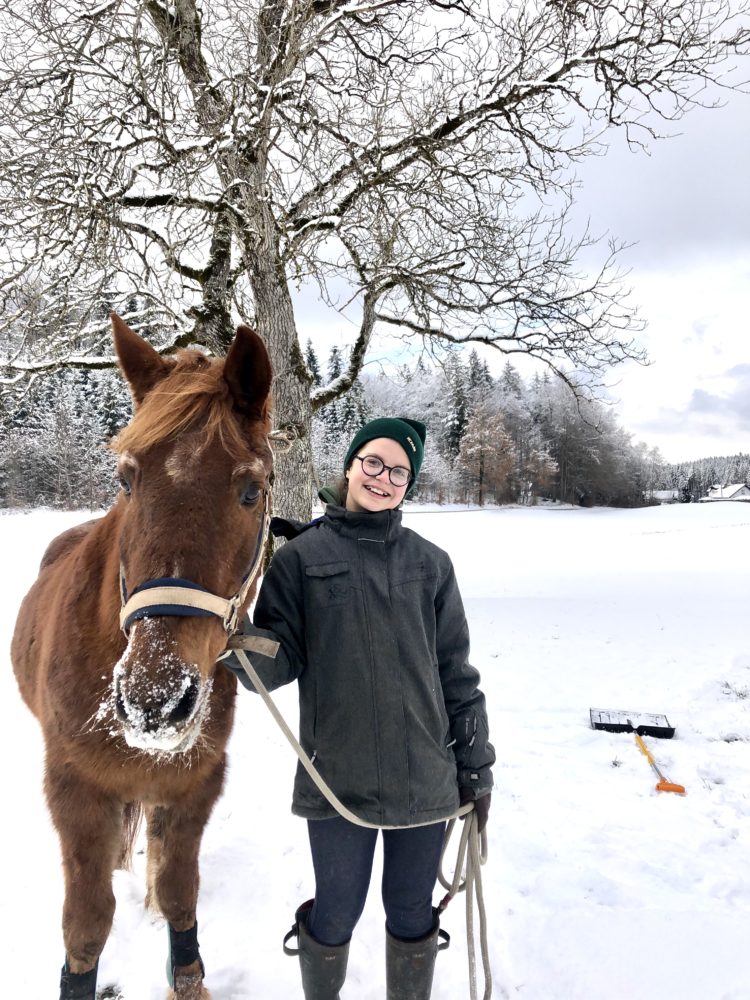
column 249, row 496
column 124, row 485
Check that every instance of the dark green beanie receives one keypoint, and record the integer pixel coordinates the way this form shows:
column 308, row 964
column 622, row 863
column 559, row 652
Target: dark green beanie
column 410, row 434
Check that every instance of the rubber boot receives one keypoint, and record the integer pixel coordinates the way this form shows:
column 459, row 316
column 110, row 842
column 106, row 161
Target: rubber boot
column 410, row 965
column 323, row 966
column 78, row 985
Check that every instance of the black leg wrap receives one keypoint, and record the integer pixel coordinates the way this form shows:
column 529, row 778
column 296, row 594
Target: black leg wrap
column 183, row 950
column 78, row 985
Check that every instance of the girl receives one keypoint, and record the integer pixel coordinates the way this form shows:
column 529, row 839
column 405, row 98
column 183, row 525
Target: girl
column 367, row 617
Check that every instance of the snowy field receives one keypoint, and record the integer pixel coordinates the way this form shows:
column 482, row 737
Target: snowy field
column 598, row 887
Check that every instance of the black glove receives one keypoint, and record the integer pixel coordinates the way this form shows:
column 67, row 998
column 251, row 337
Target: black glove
column 481, row 806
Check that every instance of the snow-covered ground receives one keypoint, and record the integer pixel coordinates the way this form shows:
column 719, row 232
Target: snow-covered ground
column 598, row 887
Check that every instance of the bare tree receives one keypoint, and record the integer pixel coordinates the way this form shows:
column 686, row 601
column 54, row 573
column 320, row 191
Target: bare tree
column 488, row 457
column 414, row 152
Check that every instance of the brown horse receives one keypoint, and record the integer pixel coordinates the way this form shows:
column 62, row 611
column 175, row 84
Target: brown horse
column 142, row 723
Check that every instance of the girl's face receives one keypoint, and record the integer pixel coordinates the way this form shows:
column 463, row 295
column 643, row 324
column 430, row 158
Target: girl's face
column 372, row 493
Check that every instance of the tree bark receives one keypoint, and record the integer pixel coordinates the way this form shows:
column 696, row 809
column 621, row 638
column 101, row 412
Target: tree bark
column 293, row 469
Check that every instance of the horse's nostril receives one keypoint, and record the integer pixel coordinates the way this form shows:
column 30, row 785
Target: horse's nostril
column 151, row 720
column 186, row 705
column 120, row 704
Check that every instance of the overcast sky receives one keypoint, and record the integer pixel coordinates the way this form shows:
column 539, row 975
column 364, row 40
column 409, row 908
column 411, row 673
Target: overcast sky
column 686, row 209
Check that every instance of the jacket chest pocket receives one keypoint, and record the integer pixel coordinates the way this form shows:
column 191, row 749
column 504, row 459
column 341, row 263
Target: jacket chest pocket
column 328, row 584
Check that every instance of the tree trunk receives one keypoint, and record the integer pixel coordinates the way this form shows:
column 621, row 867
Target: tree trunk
column 293, row 474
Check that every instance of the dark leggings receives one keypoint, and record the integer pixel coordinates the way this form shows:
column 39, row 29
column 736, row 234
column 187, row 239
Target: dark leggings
column 342, row 855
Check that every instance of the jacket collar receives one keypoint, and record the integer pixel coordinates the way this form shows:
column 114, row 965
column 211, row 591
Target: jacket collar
column 378, row 526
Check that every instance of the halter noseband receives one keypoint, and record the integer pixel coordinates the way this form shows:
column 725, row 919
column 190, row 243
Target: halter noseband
column 174, row 596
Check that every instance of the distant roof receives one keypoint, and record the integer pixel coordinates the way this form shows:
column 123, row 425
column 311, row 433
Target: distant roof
column 727, row 492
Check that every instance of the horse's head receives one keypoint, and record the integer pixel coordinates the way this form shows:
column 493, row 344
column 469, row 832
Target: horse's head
column 194, row 467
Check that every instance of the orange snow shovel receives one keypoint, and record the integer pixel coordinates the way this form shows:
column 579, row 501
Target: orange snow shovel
column 645, row 724
column 663, row 784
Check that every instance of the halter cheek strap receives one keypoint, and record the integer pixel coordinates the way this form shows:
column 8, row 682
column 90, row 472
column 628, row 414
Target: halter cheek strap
column 175, row 596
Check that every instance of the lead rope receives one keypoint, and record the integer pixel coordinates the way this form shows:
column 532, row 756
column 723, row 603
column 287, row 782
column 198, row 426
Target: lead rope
column 469, row 853
column 475, row 844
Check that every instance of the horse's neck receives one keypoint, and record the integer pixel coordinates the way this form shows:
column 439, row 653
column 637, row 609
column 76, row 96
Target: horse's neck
column 93, row 566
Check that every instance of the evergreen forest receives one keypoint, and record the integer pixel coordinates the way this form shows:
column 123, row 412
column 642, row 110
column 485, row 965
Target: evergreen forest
column 490, row 440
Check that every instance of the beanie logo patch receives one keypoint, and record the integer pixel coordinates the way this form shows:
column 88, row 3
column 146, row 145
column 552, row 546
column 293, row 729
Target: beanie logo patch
column 413, row 446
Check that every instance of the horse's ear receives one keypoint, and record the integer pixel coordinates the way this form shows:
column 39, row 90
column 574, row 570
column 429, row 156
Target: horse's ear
column 141, row 365
column 247, row 372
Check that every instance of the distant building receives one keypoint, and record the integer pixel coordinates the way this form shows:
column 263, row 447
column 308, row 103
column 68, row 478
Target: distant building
column 665, row 496
column 735, row 491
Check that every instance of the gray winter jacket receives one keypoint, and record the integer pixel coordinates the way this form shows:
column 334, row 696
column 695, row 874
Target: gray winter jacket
column 370, row 621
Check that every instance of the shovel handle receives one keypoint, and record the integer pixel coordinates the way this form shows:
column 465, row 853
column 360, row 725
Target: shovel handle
column 645, row 750
column 663, row 785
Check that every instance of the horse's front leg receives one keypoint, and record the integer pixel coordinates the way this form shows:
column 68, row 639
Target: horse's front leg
column 174, row 837
column 89, row 825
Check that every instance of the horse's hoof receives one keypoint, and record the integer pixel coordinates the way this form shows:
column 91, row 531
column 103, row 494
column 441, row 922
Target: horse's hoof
column 195, row 991
column 188, row 984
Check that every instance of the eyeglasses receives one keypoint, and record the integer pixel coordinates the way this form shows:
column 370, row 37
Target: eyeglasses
column 373, row 466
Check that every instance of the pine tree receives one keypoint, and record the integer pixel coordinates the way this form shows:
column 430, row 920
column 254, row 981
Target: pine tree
column 457, row 413
column 510, row 381
column 478, row 380
column 336, row 423
column 313, row 366
column 330, row 415
column 113, row 402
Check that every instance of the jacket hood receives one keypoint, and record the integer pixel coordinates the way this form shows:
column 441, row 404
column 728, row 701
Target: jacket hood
column 330, row 494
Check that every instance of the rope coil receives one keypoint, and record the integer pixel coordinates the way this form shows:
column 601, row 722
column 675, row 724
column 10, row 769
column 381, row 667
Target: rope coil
column 472, row 854
column 472, row 849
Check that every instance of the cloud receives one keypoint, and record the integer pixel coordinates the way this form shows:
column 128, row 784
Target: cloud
column 732, row 404
column 714, row 420
column 685, row 198
column 683, row 436
column 706, row 402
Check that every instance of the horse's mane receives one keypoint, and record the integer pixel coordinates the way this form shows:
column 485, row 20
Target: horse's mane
column 193, row 394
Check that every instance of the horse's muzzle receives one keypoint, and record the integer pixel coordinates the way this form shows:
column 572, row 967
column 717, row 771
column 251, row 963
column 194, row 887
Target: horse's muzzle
column 163, row 713
column 153, row 716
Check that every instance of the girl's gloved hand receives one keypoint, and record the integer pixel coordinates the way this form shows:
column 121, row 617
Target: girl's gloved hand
column 481, row 806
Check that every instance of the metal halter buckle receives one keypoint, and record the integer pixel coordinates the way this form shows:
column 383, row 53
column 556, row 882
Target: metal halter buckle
column 232, row 614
